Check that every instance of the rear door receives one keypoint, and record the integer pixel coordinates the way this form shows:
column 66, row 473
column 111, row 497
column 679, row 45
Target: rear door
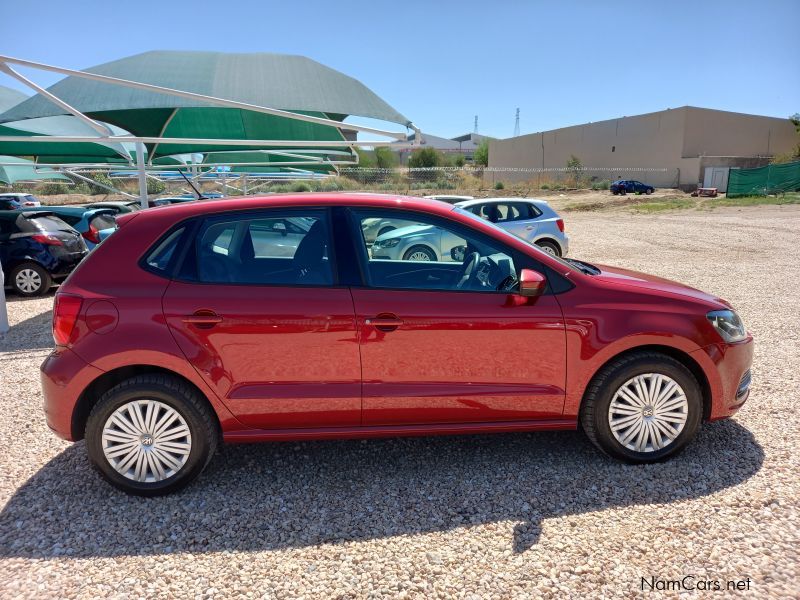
column 258, row 312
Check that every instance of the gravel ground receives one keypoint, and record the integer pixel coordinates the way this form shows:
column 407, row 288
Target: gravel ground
column 534, row 515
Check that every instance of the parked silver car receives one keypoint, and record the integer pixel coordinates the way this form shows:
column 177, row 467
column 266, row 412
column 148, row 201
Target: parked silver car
column 533, row 220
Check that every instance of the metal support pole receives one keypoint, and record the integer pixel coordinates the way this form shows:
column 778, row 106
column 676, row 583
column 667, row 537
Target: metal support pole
column 3, row 312
column 142, row 174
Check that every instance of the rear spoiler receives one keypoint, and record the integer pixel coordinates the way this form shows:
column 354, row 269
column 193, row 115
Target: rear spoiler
column 32, row 214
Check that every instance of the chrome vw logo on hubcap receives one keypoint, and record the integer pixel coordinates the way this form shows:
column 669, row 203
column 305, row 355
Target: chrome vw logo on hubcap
column 147, row 440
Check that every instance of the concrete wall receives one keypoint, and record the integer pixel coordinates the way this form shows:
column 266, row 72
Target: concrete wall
column 671, row 139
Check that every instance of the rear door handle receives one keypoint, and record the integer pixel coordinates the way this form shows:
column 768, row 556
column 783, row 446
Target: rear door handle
column 384, row 322
column 202, row 318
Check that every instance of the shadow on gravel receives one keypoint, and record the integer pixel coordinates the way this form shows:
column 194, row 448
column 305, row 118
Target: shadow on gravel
column 30, row 334
column 287, row 495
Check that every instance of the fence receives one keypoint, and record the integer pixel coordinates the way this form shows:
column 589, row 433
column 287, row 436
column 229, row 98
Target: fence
column 772, row 179
column 475, row 178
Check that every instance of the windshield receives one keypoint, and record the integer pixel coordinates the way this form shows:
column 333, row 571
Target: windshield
column 571, row 266
column 104, row 221
column 43, row 223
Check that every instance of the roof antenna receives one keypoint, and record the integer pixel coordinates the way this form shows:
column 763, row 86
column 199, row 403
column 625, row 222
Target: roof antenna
column 196, row 191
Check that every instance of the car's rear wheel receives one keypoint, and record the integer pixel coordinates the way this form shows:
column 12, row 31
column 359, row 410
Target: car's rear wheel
column 642, row 408
column 549, row 247
column 419, row 252
column 151, row 435
column 30, row 279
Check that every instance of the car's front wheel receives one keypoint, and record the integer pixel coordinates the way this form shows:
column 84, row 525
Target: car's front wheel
column 151, row 435
column 30, row 279
column 419, row 252
column 642, row 408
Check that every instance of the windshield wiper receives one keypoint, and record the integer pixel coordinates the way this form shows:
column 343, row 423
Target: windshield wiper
column 583, row 267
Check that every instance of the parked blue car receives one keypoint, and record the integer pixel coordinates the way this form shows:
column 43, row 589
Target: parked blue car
column 36, row 248
column 94, row 224
column 630, row 186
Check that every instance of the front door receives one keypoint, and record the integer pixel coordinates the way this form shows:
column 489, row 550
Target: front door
column 444, row 341
column 257, row 313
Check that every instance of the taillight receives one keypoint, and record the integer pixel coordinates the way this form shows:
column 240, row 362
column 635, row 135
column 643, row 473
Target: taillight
column 48, row 240
column 560, row 224
column 92, row 234
column 65, row 314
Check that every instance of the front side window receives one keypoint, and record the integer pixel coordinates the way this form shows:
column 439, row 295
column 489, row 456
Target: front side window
column 271, row 248
column 433, row 254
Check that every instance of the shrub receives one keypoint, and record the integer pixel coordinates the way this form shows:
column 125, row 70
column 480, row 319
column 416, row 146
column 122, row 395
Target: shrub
column 51, row 189
column 300, row 186
column 499, row 185
column 545, row 186
column 425, row 158
column 155, row 186
column 459, row 160
column 385, row 158
column 481, row 156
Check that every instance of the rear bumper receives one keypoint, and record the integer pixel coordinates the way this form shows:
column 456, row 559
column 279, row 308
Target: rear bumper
column 64, row 376
column 729, row 375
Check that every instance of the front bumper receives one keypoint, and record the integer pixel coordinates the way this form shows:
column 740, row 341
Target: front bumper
column 727, row 368
column 64, row 377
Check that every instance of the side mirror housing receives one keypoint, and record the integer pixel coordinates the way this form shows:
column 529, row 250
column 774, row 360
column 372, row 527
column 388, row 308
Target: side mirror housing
column 279, row 227
column 531, row 283
column 457, row 253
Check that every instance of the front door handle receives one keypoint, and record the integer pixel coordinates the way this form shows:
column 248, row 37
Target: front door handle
column 202, row 318
column 384, row 322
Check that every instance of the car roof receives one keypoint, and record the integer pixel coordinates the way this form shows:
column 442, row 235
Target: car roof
column 498, row 200
column 75, row 210
column 185, row 210
column 27, row 213
column 17, row 194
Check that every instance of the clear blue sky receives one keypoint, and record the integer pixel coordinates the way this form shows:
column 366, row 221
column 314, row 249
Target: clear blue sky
column 442, row 62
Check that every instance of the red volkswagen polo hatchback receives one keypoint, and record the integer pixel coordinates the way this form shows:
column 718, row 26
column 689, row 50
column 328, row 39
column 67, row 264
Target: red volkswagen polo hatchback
column 266, row 319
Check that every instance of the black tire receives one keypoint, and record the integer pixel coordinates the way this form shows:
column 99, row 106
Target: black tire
column 599, row 394
column 202, row 423
column 41, row 272
column 386, row 229
column 549, row 247
column 419, row 248
column 648, row 191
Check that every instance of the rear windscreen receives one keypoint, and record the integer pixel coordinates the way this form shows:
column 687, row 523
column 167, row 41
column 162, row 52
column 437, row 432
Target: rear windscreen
column 105, row 221
column 45, row 223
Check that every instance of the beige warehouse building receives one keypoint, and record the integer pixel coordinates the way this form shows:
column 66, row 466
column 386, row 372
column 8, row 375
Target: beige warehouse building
column 683, row 146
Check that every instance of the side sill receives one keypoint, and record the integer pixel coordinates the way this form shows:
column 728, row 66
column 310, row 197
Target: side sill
column 331, row 433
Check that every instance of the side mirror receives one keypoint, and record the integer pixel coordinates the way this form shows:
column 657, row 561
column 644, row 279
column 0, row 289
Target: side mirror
column 279, row 227
column 531, row 283
column 457, row 253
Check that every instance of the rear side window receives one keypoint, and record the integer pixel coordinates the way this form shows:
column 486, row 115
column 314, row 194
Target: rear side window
column 71, row 219
column 289, row 247
column 161, row 256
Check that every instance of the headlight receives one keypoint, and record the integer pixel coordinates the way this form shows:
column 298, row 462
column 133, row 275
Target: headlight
column 390, row 243
column 728, row 324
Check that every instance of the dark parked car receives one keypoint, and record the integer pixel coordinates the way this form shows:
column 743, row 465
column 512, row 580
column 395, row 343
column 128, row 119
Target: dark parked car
column 631, row 186
column 183, row 331
column 36, row 247
column 94, row 224
column 12, row 201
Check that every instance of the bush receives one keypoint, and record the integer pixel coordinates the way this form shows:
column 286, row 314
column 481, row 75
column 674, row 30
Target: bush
column 459, row 160
column 544, row 186
column 481, row 156
column 300, row 186
column 499, row 186
column 154, row 186
column 603, row 184
column 51, row 189
column 425, row 158
column 385, row 158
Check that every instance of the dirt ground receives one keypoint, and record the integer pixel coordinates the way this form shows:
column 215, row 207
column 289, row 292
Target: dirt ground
column 507, row 516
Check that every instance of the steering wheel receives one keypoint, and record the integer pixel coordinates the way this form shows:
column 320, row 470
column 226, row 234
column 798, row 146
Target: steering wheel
column 470, row 263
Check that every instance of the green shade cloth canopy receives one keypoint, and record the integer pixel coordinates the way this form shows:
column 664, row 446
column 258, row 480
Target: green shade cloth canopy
column 261, row 161
column 62, row 125
column 285, row 82
column 25, row 170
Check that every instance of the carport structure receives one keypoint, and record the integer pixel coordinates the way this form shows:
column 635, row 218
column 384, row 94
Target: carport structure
column 169, row 102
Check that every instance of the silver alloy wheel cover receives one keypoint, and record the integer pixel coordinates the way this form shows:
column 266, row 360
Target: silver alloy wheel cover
column 549, row 249
column 28, row 280
column 146, row 441
column 419, row 255
column 648, row 412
